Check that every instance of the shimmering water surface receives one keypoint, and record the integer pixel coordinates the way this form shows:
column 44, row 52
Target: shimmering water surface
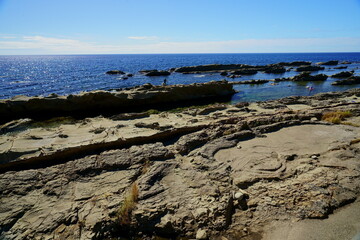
column 68, row 74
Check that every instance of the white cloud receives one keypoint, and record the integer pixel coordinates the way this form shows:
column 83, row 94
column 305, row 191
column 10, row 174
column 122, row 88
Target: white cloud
column 7, row 37
column 41, row 45
column 144, row 38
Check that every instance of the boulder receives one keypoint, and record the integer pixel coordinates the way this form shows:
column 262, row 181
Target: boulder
column 333, row 62
column 112, row 72
column 340, row 67
column 309, row 68
column 342, row 74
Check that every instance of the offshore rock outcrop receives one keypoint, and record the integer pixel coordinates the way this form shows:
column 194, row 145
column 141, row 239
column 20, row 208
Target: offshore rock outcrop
column 305, row 76
column 248, row 69
column 102, row 102
column 331, row 63
column 343, row 74
column 226, row 173
column 349, row 81
column 309, row 68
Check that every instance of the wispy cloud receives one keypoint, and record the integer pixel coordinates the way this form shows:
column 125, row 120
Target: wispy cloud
column 49, row 45
column 7, row 37
column 144, row 38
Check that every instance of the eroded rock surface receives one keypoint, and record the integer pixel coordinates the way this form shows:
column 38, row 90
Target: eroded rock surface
column 217, row 172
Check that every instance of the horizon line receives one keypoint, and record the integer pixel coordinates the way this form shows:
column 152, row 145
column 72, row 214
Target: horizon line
column 87, row 54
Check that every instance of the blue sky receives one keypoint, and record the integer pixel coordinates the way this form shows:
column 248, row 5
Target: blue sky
column 178, row 26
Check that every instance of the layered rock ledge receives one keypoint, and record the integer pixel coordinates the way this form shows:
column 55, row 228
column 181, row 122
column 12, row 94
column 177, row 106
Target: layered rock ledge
column 103, row 102
column 215, row 172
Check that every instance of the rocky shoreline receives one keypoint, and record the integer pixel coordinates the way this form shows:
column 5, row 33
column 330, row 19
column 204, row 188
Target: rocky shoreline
column 95, row 103
column 213, row 172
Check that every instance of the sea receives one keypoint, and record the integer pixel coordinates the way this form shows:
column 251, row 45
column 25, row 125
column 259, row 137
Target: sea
column 70, row 74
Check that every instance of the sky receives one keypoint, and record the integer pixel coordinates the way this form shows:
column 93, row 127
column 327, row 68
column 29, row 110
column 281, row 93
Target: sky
column 178, row 26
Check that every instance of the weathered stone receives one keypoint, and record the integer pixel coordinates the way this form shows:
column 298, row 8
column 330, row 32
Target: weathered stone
column 201, row 234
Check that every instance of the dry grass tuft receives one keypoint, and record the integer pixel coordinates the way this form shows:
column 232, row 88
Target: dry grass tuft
column 350, row 124
column 128, row 205
column 355, row 141
column 336, row 117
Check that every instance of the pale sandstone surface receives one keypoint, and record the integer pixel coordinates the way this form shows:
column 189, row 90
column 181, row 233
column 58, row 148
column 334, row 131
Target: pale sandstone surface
column 219, row 172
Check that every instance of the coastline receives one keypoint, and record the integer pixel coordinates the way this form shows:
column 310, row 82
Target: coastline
column 211, row 172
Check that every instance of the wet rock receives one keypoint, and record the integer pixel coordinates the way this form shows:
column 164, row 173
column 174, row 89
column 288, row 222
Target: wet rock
column 349, row 81
column 332, row 62
column 305, row 76
column 276, row 70
column 342, row 74
column 309, row 68
column 341, row 67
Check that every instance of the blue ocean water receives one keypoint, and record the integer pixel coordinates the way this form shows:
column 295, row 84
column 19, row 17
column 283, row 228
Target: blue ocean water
column 68, row 74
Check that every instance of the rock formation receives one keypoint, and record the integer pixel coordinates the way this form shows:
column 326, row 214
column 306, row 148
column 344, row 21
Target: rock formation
column 309, row 68
column 103, row 102
column 343, row 74
column 332, row 62
column 212, row 172
column 349, row 81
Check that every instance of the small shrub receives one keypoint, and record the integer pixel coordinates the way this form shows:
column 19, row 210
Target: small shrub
column 335, row 117
column 128, row 205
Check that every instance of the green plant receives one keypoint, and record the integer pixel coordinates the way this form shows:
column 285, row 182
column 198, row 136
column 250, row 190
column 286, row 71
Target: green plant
column 153, row 111
column 128, row 205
